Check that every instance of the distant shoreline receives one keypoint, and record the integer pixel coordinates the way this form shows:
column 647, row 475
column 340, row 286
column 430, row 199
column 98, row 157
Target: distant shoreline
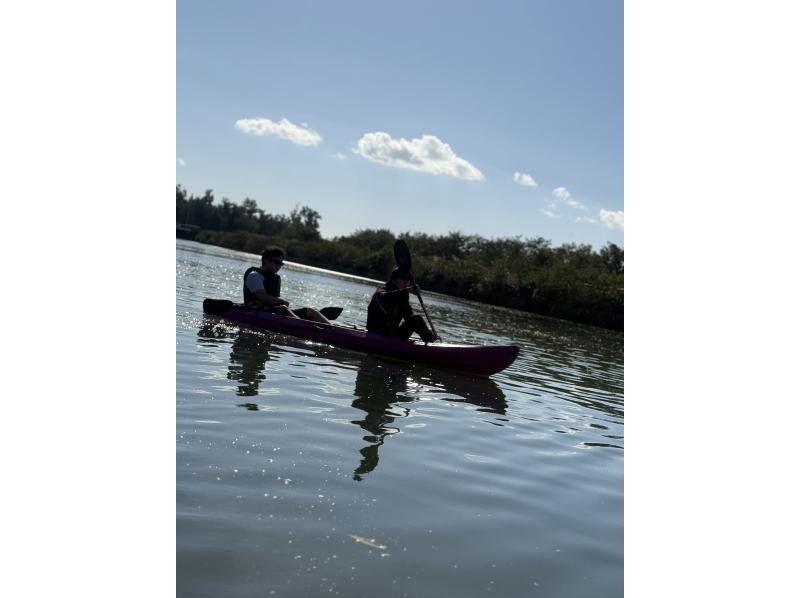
column 309, row 254
column 571, row 282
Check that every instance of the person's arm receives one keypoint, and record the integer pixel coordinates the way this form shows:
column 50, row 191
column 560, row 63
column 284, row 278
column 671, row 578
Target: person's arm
column 405, row 307
column 255, row 283
column 378, row 298
column 268, row 299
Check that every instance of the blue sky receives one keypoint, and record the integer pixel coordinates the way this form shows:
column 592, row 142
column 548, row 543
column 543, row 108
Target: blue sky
column 497, row 119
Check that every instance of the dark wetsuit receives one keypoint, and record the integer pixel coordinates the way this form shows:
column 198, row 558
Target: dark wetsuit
column 390, row 313
column 272, row 286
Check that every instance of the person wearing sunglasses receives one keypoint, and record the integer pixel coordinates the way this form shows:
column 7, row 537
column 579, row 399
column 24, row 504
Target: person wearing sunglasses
column 262, row 288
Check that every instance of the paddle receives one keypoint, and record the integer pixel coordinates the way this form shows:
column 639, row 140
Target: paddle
column 329, row 312
column 402, row 257
column 218, row 307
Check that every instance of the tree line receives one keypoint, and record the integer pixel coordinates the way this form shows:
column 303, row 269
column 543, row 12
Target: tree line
column 301, row 223
column 572, row 281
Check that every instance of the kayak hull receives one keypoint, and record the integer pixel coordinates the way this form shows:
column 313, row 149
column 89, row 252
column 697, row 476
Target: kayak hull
column 480, row 360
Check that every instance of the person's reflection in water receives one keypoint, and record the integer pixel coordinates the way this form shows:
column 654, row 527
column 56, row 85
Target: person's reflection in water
column 249, row 355
column 377, row 389
column 380, row 387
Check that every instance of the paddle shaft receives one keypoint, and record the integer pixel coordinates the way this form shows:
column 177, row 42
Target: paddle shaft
column 402, row 257
column 425, row 311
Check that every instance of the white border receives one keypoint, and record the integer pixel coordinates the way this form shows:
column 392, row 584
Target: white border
column 88, row 154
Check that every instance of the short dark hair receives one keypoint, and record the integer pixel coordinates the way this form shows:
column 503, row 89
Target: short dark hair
column 396, row 274
column 270, row 253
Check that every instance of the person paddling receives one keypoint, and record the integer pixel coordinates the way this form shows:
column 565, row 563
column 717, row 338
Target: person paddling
column 262, row 288
column 390, row 313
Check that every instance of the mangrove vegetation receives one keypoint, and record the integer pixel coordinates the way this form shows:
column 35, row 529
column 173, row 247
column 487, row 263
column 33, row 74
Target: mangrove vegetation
column 571, row 282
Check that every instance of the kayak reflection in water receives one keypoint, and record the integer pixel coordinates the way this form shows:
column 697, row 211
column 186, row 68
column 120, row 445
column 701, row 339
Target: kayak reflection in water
column 376, row 393
column 390, row 313
column 262, row 288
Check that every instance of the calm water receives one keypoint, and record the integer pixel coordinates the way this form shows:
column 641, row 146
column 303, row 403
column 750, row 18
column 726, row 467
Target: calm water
column 306, row 470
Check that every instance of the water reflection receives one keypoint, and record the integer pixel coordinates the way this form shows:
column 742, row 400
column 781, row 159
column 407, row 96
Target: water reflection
column 377, row 393
column 212, row 333
column 484, row 393
column 385, row 392
column 249, row 356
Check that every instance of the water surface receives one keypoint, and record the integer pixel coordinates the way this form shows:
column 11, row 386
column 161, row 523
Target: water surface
column 308, row 470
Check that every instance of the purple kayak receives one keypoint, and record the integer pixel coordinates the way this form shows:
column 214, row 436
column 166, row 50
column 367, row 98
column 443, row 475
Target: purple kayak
column 481, row 360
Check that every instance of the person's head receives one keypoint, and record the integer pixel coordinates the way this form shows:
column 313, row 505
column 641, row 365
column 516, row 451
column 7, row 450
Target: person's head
column 272, row 259
column 399, row 279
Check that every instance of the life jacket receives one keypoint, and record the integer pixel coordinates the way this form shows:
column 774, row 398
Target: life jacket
column 387, row 310
column 272, row 285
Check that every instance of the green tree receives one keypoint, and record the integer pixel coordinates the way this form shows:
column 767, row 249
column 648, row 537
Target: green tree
column 613, row 257
column 305, row 216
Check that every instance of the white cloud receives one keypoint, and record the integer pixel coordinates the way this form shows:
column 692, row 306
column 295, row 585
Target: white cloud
column 563, row 194
column 340, row 156
column 585, row 219
column 549, row 213
column 613, row 219
column 525, row 180
column 426, row 154
column 285, row 129
column 181, row 162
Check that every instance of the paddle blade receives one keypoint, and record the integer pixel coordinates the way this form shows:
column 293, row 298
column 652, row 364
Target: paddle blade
column 216, row 307
column 331, row 312
column 402, row 255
